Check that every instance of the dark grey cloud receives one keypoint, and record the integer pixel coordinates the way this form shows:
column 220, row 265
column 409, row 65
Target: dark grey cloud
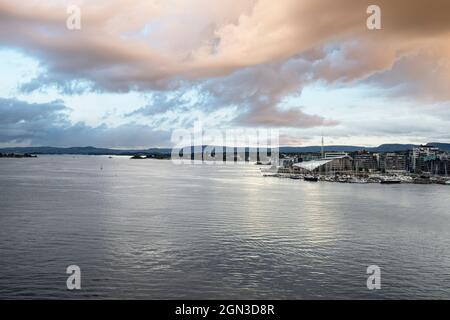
column 161, row 102
column 13, row 111
column 257, row 91
column 48, row 124
column 21, row 121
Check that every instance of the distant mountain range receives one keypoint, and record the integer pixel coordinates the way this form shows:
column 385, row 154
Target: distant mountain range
column 161, row 151
column 381, row 148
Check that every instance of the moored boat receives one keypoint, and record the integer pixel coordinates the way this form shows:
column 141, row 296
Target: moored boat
column 390, row 181
column 357, row 180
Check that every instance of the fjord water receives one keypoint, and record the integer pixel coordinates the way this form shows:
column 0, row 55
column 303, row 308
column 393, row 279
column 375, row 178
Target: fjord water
column 152, row 229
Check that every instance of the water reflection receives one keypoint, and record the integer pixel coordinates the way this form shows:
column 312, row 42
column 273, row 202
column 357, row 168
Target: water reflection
column 150, row 229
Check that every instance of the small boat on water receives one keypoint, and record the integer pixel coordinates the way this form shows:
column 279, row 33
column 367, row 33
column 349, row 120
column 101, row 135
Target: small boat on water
column 342, row 180
column 390, row 181
column 356, row 180
column 448, row 183
column 311, row 178
column 295, row 177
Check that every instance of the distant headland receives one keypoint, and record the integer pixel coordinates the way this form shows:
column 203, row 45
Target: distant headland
column 17, row 155
column 167, row 151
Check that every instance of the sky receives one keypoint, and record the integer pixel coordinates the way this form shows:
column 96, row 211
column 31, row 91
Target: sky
column 137, row 70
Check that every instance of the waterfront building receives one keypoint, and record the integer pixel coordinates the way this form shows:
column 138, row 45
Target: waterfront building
column 287, row 162
column 420, row 155
column 437, row 164
column 334, row 154
column 393, row 162
column 364, row 161
column 423, row 159
column 333, row 165
column 308, row 156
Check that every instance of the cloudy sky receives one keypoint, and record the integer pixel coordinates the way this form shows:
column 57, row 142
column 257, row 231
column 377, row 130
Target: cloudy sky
column 138, row 69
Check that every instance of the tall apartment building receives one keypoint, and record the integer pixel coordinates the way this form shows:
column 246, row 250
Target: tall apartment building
column 419, row 156
column 365, row 161
column 393, row 162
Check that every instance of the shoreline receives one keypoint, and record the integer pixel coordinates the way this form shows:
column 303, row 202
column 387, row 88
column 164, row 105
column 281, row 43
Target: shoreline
column 17, row 155
column 365, row 179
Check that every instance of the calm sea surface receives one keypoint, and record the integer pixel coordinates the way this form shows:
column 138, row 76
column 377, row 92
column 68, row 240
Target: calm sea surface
column 151, row 229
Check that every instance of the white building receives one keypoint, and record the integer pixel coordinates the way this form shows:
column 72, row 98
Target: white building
column 342, row 164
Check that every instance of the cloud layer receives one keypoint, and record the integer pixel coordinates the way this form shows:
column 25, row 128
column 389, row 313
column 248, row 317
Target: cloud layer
column 146, row 44
column 23, row 123
column 248, row 54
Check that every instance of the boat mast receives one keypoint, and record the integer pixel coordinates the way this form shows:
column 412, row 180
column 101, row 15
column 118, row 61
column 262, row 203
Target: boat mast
column 322, row 149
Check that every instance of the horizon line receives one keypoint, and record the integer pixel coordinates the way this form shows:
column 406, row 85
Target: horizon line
column 225, row 146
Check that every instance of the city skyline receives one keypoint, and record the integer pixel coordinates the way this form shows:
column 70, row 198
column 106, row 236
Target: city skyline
column 134, row 72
